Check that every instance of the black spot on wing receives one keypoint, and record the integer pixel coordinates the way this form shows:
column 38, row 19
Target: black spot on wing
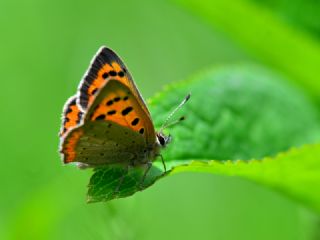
column 68, row 110
column 111, row 112
column 113, row 73
column 100, row 117
column 105, row 75
column 126, row 111
column 135, row 122
column 94, row 91
column 121, row 74
column 109, row 103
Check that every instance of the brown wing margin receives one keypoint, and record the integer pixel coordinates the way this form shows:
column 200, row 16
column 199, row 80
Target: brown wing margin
column 105, row 65
column 71, row 116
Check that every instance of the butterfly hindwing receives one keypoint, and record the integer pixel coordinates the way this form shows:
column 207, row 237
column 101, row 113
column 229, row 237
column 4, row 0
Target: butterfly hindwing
column 101, row 142
column 104, row 66
column 71, row 117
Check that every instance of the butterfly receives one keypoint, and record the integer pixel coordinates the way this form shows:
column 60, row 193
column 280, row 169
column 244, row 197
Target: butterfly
column 107, row 121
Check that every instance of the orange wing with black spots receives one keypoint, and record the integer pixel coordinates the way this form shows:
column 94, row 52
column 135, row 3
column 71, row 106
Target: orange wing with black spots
column 117, row 103
column 104, row 66
column 115, row 129
column 69, row 147
column 72, row 116
column 108, row 122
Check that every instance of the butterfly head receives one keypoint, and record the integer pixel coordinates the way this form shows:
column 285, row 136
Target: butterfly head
column 163, row 140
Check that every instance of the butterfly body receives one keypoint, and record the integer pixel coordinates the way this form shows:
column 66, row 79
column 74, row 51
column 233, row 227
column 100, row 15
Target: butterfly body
column 107, row 122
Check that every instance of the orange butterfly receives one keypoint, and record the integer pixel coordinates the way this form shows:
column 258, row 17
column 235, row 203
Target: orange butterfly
column 108, row 122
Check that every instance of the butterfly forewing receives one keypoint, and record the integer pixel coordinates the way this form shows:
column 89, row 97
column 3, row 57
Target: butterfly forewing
column 104, row 66
column 116, row 102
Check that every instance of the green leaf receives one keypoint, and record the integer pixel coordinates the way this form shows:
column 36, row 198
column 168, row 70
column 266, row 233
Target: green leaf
column 234, row 113
column 106, row 180
column 295, row 173
column 265, row 36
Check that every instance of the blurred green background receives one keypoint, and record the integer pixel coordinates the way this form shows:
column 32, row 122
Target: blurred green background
column 46, row 48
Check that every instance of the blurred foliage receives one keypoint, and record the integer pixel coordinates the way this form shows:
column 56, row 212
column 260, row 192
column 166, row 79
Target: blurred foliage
column 301, row 13
column 273, row 42
column 46, row 48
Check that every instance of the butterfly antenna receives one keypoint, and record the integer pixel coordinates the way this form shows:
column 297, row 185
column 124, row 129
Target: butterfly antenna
column 175, row 122
column 166, row 124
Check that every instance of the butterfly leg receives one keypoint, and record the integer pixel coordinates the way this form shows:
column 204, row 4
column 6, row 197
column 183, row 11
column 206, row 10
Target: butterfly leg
column 149, row 165
column 163, row 163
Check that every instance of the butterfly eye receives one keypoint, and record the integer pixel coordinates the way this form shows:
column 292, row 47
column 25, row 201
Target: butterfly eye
column 161, row 140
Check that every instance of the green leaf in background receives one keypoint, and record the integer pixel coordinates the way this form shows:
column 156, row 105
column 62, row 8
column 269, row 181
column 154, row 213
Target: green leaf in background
column 294, row 12
column 266, row 37
column 235, row 113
